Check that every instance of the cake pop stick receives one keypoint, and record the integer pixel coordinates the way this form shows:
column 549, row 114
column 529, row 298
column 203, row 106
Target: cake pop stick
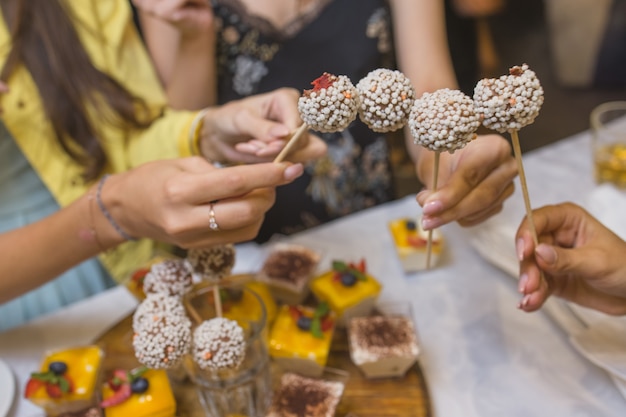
column 444, row 120
column 507, row 104
column 292, row 142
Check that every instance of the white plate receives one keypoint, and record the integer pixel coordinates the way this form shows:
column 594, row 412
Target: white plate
column 7, row 393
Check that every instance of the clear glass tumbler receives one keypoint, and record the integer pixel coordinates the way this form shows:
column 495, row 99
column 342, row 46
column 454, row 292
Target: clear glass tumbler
column 608, row 128
column 247, row 390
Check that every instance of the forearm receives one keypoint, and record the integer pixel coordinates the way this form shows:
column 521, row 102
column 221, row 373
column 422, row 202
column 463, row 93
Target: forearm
column 35, row 254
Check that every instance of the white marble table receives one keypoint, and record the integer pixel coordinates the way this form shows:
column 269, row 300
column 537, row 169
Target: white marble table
column 481, row 356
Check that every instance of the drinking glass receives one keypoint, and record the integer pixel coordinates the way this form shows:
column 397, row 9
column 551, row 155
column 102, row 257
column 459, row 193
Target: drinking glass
column 246, row 390
column 608, row 128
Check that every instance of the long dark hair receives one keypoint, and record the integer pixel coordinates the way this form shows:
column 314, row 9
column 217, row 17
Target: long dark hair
column 45, row 41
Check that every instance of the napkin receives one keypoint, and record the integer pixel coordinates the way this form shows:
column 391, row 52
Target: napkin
column 598, row 337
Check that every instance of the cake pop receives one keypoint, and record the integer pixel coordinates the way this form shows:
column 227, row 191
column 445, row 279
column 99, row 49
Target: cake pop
column 510, row 102
column 218, row 344
column 162, row 331
column 385, row 99
column 331, row 105
column 171, row 276
column 212, row 263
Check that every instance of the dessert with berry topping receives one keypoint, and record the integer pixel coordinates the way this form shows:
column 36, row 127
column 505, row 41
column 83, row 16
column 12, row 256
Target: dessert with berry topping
column 385, row 99
column 140, row 392
column 348, row 289
column 67, row 380
column 331, row 105
column 410, row 241
column 300, row 338
column 287, row 271
column 305, row 397
column 383, row 345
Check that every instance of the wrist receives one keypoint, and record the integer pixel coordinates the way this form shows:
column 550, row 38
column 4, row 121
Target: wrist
column 208, row 138
column 109, row 219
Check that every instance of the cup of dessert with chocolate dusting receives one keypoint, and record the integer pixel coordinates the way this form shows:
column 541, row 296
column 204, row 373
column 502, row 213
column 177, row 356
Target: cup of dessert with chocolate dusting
column 287, row 270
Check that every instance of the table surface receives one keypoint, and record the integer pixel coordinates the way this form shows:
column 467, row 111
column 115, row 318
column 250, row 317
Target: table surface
column 480, row 355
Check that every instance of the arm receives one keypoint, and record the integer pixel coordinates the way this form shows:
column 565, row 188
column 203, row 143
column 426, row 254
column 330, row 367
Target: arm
column 473, row 182
column 581, row 259
column 164, row 200
column 180, row 37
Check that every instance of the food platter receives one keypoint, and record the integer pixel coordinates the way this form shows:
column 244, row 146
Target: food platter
column 406, row 396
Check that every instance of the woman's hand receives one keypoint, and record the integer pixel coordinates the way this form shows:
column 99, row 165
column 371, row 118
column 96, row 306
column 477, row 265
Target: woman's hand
column 473, row 182
column 170, row 200
column 582, row 260
column 256, row 128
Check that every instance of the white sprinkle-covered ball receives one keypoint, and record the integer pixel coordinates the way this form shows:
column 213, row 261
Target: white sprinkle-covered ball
column 510, row 102
column 331, row 105
column 444, row 120
column 171, row 276
column 218, row 343
column 212, row 263
column 162, row 331
column 385, row 99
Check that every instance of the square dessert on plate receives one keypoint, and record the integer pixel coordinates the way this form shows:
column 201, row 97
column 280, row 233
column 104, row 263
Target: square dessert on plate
column 140, row 392
column 67, row 381
column 287, row 270
column 300, row 338
column 410, row 241
column 348, row 289
column 383, row 345
column 297, row 395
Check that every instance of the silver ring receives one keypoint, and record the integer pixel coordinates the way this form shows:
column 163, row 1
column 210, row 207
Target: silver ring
column 212, row 222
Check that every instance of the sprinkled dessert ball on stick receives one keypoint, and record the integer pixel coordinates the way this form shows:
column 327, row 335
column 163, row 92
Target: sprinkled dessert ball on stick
column 218, row 344
column 162, row 331
column 171, row 277
column 385, row 99
column 331, row 105
column 214, row 263
column 507, row 104
column 510, row 102
column 444, row 120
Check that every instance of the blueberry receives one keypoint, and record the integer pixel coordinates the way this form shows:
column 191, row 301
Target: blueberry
column 57, row 368
column 304, row 323
column 411, row 225
column 139, row 385
column 348, row 279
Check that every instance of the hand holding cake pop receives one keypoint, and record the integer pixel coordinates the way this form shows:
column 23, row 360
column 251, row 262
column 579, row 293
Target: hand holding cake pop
column 444, row 120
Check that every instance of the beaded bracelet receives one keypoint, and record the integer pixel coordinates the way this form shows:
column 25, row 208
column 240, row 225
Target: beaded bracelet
column 106, row 213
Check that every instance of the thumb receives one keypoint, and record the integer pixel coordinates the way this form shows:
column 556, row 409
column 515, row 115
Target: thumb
column 560, row 261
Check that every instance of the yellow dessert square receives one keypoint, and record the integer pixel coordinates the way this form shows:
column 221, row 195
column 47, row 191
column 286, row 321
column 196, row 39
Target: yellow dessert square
column 347, row 299
column 296, row 348
column 156, row 401
column 410, row 241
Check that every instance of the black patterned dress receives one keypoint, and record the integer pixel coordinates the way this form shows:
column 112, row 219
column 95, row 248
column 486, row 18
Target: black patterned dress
column 342, row 37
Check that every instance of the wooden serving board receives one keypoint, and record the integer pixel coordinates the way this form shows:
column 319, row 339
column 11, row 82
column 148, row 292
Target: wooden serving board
column 396, row 397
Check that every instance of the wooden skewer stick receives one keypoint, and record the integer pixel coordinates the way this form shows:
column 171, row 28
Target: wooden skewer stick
column 520, row 168
column 292, row 142
column 217, row 300
column 429, row 243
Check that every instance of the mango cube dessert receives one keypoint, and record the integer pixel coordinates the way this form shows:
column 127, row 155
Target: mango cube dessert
column 300, row 338
column 348, row 289
column 139, row 393
column 410, row 241
column 67, row 381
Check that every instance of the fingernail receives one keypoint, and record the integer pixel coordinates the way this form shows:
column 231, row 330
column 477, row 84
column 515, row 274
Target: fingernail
column 521, row 285
column 293, row 171
column 420, row 194
column 526, row 300
column 519, row 247
column 432, row 207
column 430, row 223
column 279, row 131
column 546, row 253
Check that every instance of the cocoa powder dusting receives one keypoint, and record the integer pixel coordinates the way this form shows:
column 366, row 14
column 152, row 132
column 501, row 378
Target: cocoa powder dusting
column 288, row 266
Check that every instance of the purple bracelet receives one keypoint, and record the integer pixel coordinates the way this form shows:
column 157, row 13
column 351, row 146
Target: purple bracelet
column 106, row 213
